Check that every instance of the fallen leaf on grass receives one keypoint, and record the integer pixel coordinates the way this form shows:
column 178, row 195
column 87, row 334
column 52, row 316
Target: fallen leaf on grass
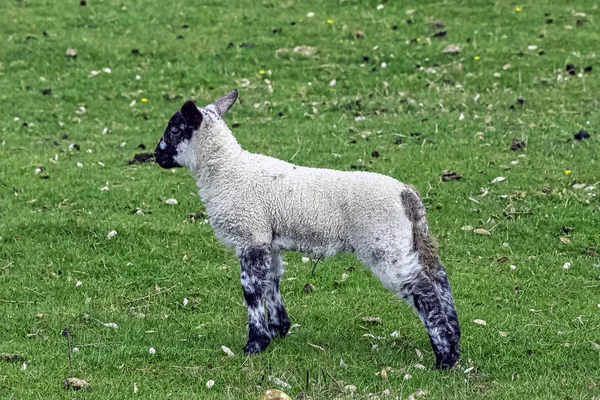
column 142, row 158
column 316, row 347
column 76, row 384
column 210, row 383
column 227, row 351
column 279, row 382
column 503, row 334
column 135, row 388
column 517, row 145
column 481, row 231
column 171, row 202
column 384, row 373
column 498, row 179
column 111, row 325
column 451, row 49
column 565, row 240
column 450, row 176
column 71, row 52
column 274, row 394
column 11, row 358
column 306, row 51
column 419, row 354
column 350, row 388
column 418, row 393
column 581, row 135
column 480, row 322
column 372, row 320
column 308, row 288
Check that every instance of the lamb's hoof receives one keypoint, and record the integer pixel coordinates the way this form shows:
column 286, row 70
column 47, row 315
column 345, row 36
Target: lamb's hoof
column 448, row 360
column 257, row 345
column 280, row 328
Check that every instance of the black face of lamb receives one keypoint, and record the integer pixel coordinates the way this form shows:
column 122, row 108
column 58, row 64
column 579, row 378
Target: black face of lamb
column 181, row 127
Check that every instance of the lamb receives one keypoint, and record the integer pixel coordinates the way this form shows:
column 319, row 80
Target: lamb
column 261, row 206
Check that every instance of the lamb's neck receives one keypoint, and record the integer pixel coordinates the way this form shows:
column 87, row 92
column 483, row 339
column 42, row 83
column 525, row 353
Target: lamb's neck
column 214, row 158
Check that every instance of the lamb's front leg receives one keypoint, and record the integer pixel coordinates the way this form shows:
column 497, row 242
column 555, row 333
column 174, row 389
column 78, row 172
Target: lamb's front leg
column 279, row 322
column 256, row 276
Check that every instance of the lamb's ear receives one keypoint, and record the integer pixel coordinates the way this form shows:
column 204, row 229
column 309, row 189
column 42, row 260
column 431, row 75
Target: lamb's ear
column 224, row 103
column 191, row 114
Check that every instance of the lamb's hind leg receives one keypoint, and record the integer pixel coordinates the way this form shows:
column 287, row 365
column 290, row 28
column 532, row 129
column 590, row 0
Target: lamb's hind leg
column 255, row 276
column 425, row 285
column 428, row 293
column 278, row 321
column 430, row 296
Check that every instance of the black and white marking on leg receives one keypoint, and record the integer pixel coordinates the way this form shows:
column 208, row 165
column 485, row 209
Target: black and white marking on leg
column 255, row 278
column 278, row 321
column 432, row 299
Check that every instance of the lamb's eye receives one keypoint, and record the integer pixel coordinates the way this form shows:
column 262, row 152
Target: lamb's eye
column 175, row 132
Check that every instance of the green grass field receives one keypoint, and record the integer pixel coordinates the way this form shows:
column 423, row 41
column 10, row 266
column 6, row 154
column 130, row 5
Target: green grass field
column 400, row 106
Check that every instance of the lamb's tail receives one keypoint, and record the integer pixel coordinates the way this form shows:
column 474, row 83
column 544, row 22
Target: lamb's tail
column 429, row 292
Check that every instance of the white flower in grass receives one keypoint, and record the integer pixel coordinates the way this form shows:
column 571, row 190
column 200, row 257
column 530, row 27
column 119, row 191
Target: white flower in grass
column 111, row 234
column 152, row 350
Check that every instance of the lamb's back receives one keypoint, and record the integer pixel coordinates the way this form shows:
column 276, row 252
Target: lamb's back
column 319, row 204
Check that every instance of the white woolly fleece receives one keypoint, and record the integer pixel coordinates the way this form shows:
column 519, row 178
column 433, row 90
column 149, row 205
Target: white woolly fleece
column 252, row 199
